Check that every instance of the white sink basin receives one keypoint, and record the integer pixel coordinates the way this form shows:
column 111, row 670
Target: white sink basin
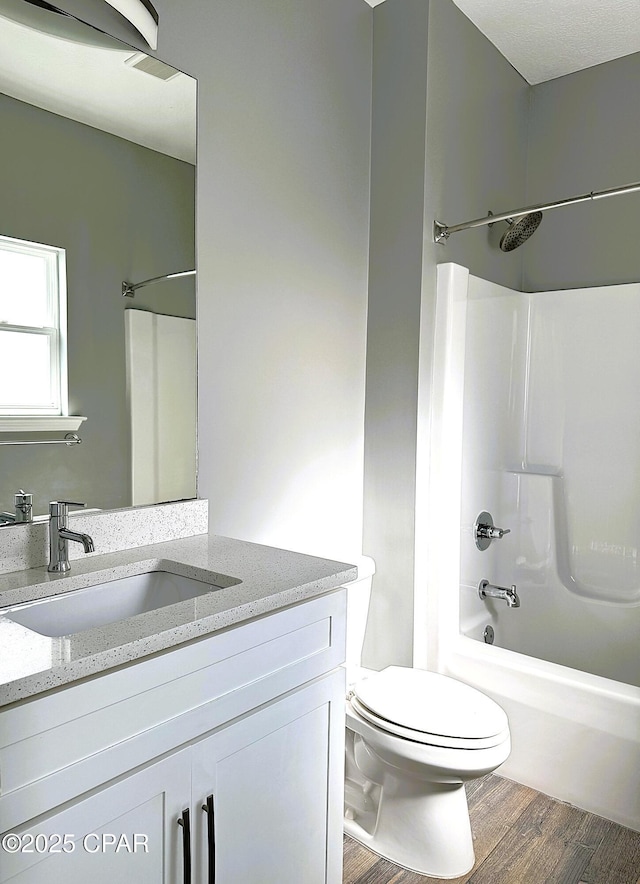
column 109, row 602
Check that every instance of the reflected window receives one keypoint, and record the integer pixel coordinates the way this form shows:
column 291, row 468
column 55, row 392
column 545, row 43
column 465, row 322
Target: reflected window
column 33, row 361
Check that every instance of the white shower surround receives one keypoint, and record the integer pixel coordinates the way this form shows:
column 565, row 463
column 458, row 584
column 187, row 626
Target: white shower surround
column 575, row 734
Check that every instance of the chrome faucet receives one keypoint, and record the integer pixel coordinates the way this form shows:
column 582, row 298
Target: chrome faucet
column 488, row 590
column 23, row 504
column 60, row 535
column 484, row 531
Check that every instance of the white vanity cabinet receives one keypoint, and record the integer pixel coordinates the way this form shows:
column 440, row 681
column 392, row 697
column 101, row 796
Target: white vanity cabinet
column 83, row 842
column 220, row 761
column 266, row 780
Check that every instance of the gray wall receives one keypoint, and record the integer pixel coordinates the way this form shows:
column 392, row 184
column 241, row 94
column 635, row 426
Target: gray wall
column 395, row 267
column 477, row 126
column 284, row 93
column 449, row 143
column 585, row 136
column 285, row 131
column 121, row 211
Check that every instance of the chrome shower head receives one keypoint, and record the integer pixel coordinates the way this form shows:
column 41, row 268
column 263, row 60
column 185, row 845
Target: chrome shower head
column 520, row 229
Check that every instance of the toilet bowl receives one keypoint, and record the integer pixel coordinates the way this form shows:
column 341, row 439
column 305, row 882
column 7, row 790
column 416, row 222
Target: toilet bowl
column 413, row 739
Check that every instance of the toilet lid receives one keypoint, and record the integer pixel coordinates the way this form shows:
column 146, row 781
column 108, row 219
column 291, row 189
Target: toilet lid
column 413, row 700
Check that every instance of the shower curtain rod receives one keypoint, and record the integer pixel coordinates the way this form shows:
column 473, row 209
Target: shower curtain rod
column 129, row 289
column 442, row 232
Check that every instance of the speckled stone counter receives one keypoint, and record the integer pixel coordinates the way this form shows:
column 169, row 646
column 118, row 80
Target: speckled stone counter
column 251, row 580
column 27, row 546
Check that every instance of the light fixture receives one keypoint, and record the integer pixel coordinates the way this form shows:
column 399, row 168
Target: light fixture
column 127, row 20
column 142, row 15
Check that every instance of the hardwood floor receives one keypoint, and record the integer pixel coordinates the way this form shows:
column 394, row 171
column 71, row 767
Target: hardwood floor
column 521, row 837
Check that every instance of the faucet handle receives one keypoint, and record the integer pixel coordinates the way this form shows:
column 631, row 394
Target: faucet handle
column 23, row 505
column 61, row 507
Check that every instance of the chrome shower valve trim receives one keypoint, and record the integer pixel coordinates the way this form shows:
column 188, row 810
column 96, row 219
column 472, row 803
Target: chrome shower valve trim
column 484, row 531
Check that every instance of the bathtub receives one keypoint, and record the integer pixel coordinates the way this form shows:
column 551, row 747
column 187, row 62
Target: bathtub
column 565, row 665
column 553, row 625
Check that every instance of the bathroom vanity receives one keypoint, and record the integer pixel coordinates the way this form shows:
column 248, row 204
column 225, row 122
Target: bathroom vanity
column 201, row 741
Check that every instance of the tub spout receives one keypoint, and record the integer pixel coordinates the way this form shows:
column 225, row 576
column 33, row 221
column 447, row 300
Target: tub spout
column 509, row 595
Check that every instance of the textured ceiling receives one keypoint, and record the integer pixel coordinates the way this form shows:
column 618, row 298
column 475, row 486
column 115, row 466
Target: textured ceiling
column 544, row 39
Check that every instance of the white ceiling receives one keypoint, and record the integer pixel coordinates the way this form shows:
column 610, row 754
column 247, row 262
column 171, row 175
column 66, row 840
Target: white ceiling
column 544, row 39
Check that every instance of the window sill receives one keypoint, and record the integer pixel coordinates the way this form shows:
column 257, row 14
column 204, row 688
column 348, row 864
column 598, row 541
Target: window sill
column 40, row 423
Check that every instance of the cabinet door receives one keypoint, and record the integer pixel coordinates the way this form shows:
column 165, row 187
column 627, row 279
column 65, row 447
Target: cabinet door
column 125, row 832
column 275, row 780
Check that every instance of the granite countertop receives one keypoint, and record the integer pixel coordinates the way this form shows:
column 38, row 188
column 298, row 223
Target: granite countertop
column 262, row 579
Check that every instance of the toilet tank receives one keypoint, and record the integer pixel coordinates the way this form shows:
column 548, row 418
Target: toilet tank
column 358, row 596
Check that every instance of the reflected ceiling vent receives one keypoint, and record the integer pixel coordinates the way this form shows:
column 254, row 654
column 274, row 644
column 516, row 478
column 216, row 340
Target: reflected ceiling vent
column 153, row 66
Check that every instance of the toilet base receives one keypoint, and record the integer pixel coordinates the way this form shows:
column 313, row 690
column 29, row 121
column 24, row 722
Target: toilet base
column 423, row 827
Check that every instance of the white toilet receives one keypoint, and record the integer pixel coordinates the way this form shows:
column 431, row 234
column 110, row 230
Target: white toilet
column 413, row 739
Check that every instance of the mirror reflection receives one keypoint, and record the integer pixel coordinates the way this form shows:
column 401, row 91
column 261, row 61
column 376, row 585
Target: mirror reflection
column 98, row 165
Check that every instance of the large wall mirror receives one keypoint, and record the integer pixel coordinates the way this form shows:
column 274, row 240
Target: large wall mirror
column 98, row 159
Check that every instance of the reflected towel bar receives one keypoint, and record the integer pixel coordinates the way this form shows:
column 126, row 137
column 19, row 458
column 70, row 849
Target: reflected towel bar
column 129, row 289
column 69, row 439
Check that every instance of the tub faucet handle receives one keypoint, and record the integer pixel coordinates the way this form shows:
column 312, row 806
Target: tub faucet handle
column 484, row 531
column 496, row 533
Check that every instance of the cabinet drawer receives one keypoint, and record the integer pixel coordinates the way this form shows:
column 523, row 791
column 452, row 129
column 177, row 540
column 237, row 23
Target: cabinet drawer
column 71, row 741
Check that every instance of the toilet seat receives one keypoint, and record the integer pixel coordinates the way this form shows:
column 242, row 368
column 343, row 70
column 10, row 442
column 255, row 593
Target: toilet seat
column 430, row 708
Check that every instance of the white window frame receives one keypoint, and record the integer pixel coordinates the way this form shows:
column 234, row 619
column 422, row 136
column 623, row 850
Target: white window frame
column 56, row 281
